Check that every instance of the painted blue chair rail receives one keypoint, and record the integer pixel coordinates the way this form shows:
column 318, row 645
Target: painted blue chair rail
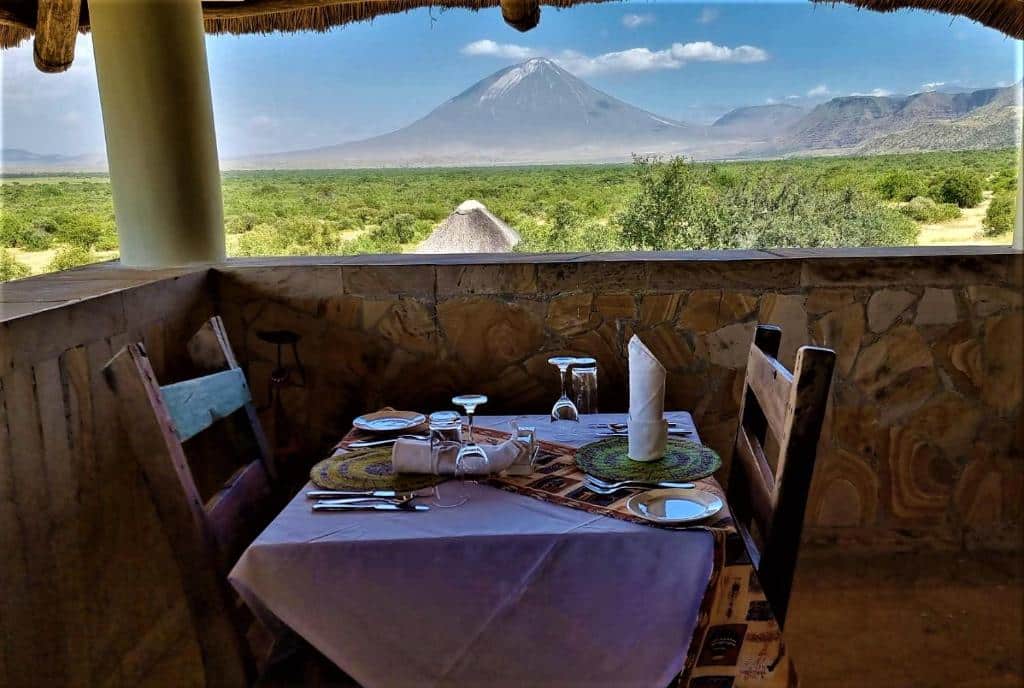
column 196, row 404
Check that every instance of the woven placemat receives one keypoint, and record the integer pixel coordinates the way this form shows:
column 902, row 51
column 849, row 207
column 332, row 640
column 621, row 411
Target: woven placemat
column 608, row 459
column 367, row 469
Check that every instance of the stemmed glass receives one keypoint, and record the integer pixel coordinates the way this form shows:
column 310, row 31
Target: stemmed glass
column 564, row 409
column 471, row 460
column 446, row 439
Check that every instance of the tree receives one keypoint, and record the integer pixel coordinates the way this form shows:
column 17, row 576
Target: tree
column 962, row 187
column 999, row 216
column 670, row 208
column 901, row 185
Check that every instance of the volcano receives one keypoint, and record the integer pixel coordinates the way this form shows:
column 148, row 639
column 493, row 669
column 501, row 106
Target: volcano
column 534, row 111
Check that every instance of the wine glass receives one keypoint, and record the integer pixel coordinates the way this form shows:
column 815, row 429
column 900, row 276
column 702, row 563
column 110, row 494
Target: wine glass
column 471, row 460
column 584, row 384
column 445, row 440
column 564, row 409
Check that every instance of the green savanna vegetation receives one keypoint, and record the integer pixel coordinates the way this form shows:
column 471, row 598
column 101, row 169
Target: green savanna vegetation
column 659, row 204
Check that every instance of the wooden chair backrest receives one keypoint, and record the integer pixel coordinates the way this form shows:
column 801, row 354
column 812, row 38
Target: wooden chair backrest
column 772, row 500
column 203, row 534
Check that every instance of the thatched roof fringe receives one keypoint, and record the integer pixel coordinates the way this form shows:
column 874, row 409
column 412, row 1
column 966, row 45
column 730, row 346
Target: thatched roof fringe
column 18, row 17
column 324, row 17
column 11, row 36
column 327, row 17
column 1004, row 15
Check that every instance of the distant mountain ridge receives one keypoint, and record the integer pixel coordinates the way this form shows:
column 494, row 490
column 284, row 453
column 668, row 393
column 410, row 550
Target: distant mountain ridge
column 868, row 121
column 537, row 112
column 757, row 120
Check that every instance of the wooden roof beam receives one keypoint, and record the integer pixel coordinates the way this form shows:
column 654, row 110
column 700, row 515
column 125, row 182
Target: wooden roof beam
column 56, row 32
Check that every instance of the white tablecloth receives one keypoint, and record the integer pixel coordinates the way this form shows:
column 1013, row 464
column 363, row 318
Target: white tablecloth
column 504, row 590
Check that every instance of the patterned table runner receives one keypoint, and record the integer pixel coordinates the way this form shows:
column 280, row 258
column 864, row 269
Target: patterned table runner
column 736, row 641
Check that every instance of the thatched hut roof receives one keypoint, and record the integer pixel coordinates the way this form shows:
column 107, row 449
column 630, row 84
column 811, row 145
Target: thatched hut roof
column 19, row 18
column 471, row 228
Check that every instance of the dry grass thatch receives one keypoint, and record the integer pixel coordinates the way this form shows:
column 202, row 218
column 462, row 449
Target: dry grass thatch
column 17, row 17
column 471, row 228
column 1005, row 15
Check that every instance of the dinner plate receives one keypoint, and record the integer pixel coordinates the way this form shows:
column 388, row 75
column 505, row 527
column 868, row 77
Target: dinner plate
column 675, row 505
column 389, row 421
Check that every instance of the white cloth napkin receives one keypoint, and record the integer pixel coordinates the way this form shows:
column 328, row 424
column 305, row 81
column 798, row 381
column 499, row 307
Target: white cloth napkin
column 414, row 456
column 648, row 429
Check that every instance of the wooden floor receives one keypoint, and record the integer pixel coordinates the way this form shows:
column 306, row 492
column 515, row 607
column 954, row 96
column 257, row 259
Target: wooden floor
column 909, row 621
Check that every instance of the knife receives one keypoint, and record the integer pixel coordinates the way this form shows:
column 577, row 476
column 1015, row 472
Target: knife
column 337, row 494
column 368, row 506
column 625, row 433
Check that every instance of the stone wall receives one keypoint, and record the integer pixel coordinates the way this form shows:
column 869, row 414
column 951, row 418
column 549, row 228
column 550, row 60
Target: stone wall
column 923, row 439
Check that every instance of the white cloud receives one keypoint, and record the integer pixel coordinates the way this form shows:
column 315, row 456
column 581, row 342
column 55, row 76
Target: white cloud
column 646, row 60
column 770, row 101
column 793, row 97
column 490, row 48
column 876, row 92
column 708, row 15
column 634, row 21
column 706, row 51
column 932, row 86
column 819, row 90
column 630, row 60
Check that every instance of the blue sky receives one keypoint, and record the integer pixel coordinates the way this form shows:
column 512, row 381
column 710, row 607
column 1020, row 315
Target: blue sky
column 689, row 61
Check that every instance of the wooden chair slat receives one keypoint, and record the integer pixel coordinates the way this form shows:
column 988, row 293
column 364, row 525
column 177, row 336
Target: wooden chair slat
column 758, row 479
column 792, row 405
column 196, row 404
column 771, row 383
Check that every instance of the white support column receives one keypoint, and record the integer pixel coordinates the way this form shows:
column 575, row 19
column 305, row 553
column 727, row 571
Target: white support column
column 158, row 121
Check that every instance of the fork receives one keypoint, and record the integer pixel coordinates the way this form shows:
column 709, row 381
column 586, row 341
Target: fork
column 623, row 484
column 360, row 444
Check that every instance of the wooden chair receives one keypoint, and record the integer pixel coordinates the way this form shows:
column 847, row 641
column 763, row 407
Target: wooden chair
column 206, row 535
column 768, row 504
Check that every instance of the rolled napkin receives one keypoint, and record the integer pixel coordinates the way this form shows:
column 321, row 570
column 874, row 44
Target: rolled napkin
column 414, row 456
column 648, row 429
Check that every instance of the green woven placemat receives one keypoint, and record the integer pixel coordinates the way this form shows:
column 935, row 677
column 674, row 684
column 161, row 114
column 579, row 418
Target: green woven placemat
column 608, row 459
column 367, row 469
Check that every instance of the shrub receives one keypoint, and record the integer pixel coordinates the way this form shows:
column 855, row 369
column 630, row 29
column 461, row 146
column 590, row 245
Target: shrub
column 69, row 256
column 666, row 211
column 11, row 268
column 675, row 209
column 999, row 217
column 962, row 187
column 397, row 229
column 901, row 185
column 923, row 209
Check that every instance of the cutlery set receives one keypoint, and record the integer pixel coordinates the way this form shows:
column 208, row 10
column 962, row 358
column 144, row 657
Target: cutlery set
column 604, row 487
column 622, row 430
column 366, row 500
column 359, row 444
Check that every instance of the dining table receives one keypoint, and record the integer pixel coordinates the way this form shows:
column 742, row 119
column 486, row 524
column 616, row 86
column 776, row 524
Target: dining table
column 513, row 588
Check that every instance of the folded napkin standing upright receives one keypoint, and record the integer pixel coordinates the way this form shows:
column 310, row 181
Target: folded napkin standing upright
column 414, row 456
column 648, row 429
